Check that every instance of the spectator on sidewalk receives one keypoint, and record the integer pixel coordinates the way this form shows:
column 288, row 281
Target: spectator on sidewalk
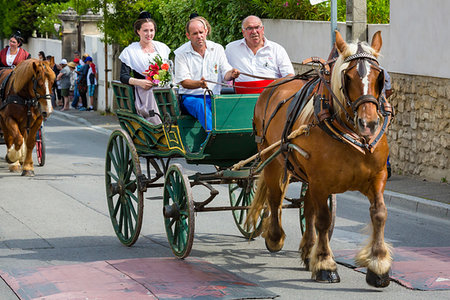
column 41, row 56
column 92, row 82
column 57, row 87
column 76, row 103
column 82, row 85
column 72, row 67
column 64, row 78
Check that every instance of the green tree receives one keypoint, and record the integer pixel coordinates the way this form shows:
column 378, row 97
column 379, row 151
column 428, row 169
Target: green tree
column 8, row 20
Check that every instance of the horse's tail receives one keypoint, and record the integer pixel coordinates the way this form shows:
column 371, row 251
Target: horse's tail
column 259, row 204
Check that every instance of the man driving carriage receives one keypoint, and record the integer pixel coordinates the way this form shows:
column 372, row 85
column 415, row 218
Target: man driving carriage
column 197, row 67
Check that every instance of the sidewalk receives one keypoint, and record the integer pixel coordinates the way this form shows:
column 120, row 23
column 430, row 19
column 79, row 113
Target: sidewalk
column 431, row 198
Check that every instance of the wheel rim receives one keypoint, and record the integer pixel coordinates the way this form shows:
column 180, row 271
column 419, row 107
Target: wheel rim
column 178, row 210
column 124, row 196
column 241, row 195
column 331, row 205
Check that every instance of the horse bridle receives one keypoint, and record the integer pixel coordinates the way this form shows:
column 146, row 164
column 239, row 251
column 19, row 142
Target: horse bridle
column 360, row 56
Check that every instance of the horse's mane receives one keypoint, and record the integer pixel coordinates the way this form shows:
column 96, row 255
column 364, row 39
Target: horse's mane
column 340, row 65
column 23, row 74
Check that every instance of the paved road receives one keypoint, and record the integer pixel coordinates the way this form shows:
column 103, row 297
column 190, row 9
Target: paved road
column 60, row 217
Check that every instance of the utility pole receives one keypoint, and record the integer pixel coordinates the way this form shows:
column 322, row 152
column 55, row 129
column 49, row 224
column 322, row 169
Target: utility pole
column 356, row 17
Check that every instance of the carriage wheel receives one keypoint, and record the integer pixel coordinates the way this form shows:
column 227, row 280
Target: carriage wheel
column 178, row 211
column 241, row 194
column 331, row 206
column 123, row 188
column 40, row 146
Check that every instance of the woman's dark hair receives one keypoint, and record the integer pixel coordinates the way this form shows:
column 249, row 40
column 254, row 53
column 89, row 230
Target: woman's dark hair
column 144, row 17
column 18, row 37
column 41, row 53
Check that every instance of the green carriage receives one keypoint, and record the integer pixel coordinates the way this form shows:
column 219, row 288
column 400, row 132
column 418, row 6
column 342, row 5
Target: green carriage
column 180, row 135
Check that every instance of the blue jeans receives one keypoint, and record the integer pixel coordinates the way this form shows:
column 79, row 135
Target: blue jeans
column 76, row 95
column 195, row 106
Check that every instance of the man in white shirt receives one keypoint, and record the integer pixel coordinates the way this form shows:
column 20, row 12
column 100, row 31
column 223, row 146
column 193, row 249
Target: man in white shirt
column 197, row 63
column 256, row 55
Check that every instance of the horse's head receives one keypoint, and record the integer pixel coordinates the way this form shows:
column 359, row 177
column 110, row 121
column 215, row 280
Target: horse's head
column 357, row 80
column 35, row 82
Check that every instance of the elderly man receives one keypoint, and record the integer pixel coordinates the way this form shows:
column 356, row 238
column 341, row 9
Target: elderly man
column 197, row 67
column 256, row 55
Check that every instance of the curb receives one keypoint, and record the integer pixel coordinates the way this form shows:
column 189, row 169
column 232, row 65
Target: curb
column 417, row 204
column 394, row 199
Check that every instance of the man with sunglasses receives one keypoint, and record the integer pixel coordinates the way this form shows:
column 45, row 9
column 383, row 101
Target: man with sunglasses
column 256, row 55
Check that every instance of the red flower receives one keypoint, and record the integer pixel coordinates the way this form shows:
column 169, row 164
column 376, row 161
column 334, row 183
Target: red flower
column 165, row 67
column 155, row 68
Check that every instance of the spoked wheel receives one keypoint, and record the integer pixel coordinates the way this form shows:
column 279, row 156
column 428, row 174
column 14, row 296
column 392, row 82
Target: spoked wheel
column 241, row 194
column 123, row 191
column 331, row 206
column 40, row 146
column 178, row 211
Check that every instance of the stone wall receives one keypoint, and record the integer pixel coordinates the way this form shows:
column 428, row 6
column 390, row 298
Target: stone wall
column 419, row 135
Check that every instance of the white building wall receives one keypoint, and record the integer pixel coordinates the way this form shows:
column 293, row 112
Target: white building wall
column 49, row 46
column 416, row 41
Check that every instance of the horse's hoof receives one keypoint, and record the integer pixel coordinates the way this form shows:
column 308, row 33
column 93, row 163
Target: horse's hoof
column 379, row 281
column 327, row 276
column 306, row 262
column 28, row 173
column 273, row 250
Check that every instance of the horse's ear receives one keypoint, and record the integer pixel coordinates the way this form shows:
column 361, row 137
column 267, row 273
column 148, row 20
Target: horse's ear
column 377, row 42
column 341, row 45
column 35, row 67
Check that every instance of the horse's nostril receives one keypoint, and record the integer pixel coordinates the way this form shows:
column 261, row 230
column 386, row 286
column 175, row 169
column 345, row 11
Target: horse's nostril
column 44, row 114
column 362, row 123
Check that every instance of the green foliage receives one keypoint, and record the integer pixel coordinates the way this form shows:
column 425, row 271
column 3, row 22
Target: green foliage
column 47, row 13
column 8, row 20
column 378, row 11
column 48, row 16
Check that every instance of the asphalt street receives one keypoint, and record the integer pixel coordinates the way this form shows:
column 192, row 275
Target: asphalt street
column 60, row 217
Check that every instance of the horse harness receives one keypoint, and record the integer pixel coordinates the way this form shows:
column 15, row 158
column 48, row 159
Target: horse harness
column 16, row 99
column 324, row 113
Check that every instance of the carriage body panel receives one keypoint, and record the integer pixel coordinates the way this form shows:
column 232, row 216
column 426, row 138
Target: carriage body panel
column 180, row 135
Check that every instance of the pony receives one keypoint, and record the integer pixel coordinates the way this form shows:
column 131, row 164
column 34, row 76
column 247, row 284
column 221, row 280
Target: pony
column 339, row 145
column 25, row 101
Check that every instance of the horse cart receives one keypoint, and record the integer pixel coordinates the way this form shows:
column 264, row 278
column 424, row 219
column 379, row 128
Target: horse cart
column 230, row 141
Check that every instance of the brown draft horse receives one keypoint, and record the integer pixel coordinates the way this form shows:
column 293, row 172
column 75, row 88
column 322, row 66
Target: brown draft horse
column 24, row 103
column 346, row 149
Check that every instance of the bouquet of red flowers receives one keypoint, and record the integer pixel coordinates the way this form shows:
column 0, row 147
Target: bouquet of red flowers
column 159, row 72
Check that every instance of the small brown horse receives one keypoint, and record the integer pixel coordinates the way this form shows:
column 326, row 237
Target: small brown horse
column 24, row 103
column 344, row 140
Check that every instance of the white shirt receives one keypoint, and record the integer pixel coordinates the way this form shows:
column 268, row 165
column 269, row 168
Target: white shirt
column 269, row 61
column 11, row 57
column 136, row 59
column 189, row 64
